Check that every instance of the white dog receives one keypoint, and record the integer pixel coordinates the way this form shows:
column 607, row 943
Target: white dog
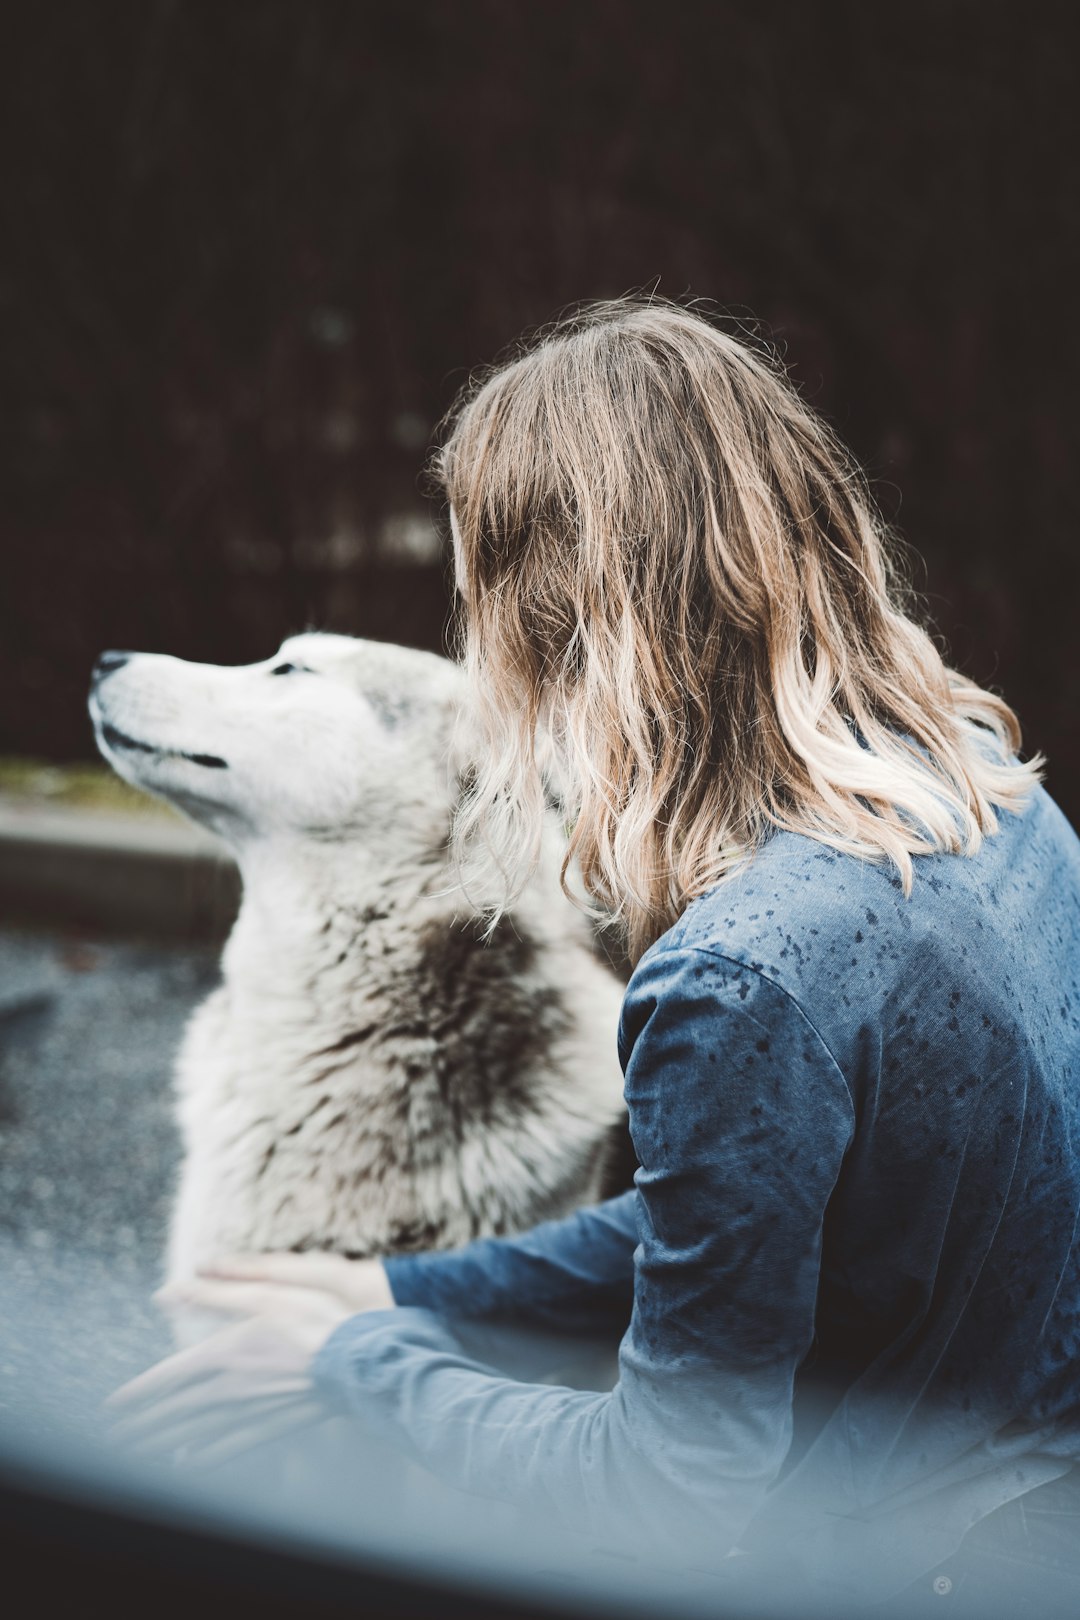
column 370, row 1077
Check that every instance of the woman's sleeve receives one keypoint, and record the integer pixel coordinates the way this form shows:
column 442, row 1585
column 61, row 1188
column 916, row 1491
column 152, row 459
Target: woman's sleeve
column 740, row 1118
column 569, row 1276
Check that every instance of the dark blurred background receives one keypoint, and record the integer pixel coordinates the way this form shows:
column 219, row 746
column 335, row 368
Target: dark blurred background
column 250, row 248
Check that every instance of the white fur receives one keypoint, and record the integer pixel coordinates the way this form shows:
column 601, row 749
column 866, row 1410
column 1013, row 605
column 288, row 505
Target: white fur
column 352, row 1084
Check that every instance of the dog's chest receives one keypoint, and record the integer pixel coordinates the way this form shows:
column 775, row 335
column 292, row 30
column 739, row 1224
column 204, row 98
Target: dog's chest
column 298, row 1143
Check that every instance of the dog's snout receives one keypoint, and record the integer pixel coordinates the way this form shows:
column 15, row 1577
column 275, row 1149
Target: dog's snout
column 107, row 663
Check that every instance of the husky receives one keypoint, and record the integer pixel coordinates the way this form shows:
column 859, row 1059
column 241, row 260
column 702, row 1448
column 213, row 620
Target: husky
column 372, row 1076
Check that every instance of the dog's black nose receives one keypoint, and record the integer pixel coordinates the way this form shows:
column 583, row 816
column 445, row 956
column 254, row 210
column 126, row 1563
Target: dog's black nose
column 107, row 663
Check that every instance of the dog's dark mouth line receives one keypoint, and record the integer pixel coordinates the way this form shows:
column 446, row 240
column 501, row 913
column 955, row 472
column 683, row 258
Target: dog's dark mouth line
column 120, row 739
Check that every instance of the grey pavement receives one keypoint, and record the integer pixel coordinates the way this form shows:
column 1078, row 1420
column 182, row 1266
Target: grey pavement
column 88, row 1031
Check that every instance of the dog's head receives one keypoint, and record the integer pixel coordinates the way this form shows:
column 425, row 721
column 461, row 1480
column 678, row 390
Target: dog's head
column 330, row 738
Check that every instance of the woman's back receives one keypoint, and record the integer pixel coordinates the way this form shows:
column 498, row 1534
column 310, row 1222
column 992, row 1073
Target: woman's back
column 947, row 1327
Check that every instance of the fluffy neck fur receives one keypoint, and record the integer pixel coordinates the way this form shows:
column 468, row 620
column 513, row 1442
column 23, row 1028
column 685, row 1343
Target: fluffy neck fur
column 311, row 919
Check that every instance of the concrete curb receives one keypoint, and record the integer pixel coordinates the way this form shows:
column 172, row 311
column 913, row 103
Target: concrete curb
column 106, row 871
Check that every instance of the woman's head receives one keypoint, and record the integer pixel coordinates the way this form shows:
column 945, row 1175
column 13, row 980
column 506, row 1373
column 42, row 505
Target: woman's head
column 670, row 565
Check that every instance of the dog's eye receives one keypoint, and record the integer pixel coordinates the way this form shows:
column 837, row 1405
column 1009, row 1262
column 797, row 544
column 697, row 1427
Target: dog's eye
column 291, row 669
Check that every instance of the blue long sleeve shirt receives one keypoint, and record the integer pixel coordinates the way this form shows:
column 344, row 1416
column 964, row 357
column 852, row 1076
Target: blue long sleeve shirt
column 847, row 1281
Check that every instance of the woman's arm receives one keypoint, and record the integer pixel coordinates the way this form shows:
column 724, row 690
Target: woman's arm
column 570, row 1276
column 574, row 1275
column 740, row 1118
column 251, row 1382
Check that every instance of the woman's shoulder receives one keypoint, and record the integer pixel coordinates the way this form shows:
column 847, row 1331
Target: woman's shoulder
column 795, row 889
column 793, row 900
column 845, row 940
column 799, row 915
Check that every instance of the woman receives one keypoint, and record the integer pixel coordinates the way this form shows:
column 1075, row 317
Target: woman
column 847, row 1278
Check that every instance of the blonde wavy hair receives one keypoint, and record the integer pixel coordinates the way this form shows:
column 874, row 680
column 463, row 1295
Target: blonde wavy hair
column 677, row 589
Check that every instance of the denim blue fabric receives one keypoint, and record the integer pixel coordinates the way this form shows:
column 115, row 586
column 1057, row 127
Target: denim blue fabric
column 847, row 1281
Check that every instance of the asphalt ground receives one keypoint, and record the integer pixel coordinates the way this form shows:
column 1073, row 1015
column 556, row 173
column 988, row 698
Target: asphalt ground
column 88, row 1153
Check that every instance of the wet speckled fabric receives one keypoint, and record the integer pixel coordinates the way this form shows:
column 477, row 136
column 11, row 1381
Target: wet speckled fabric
column 848, row 1278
